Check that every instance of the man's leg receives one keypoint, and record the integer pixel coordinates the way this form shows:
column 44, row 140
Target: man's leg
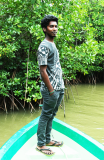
column 60, row 95
column 49, row 104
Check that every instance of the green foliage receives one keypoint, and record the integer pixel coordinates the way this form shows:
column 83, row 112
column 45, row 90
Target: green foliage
column 80, row 41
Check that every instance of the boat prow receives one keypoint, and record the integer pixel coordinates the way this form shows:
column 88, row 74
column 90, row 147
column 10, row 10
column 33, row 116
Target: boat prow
column 77, row 145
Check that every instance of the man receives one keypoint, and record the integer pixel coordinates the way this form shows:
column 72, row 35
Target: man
column 52, row 85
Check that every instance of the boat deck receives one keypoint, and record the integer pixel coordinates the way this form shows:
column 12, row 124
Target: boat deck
column 69, row 151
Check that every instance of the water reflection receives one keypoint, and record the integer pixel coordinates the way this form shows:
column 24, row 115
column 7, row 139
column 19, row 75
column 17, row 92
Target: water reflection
column 13, row 121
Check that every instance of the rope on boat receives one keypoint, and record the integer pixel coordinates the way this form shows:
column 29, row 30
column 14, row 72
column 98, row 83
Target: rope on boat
column 60, row 147
column 64, row 153
column 64, row 106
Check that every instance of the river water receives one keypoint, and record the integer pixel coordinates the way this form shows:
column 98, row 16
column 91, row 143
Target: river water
column 84, row 110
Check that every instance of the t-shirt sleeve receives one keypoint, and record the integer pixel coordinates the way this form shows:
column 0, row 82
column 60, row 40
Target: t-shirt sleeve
column 42, row 55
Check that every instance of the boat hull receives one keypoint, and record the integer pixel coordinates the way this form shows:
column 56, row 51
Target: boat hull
column 70, row 135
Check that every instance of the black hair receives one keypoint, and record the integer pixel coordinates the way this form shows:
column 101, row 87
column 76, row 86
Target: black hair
column 45, row 21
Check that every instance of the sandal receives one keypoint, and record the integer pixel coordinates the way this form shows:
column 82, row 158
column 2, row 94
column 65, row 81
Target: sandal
column 54, row 144
column 42, row 151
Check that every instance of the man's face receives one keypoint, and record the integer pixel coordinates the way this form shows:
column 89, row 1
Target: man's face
column 51, row 29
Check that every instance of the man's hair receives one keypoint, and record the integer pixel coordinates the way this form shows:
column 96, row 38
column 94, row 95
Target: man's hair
column 45, row 21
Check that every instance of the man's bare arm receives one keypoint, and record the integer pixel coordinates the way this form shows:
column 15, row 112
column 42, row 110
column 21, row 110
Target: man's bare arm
column 45, row 77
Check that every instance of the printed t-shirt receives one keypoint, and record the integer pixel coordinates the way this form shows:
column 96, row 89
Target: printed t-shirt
column 47, row 54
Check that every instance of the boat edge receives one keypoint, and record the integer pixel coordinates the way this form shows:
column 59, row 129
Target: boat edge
column 90, row 144
column 9, row 149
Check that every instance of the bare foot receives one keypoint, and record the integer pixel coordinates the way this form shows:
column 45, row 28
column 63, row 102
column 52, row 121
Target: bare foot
column 45, row 150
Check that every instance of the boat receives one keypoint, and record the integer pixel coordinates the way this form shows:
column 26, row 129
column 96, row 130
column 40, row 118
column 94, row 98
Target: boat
column 77, row 145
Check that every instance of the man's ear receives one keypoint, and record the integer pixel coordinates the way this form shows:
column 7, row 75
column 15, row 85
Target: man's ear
column 44, row 29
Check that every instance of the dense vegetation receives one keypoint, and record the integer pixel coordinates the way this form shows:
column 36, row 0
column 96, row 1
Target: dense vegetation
column 80, row 41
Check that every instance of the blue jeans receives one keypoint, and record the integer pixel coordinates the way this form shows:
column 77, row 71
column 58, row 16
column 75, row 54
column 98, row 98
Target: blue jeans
column 49, row 109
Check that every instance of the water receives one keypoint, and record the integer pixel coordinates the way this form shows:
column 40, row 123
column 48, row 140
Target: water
column 84, row 111
column 87, row 112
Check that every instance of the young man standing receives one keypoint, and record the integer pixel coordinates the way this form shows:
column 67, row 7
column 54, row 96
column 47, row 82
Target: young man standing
column 52, row 85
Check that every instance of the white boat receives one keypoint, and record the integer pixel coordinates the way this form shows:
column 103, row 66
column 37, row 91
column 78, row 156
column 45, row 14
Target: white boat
column 77, row 145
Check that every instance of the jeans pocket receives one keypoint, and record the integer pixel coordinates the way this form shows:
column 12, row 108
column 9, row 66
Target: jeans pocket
column 53, row 99
column 45, row 95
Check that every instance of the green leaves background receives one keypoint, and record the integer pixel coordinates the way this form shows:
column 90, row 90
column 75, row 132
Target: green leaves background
column 80, row 41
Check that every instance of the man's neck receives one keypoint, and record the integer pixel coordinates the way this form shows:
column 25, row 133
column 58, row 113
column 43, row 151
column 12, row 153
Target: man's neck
column 50, row 39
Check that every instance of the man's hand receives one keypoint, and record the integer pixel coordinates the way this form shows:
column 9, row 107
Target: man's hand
column 52, row 92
